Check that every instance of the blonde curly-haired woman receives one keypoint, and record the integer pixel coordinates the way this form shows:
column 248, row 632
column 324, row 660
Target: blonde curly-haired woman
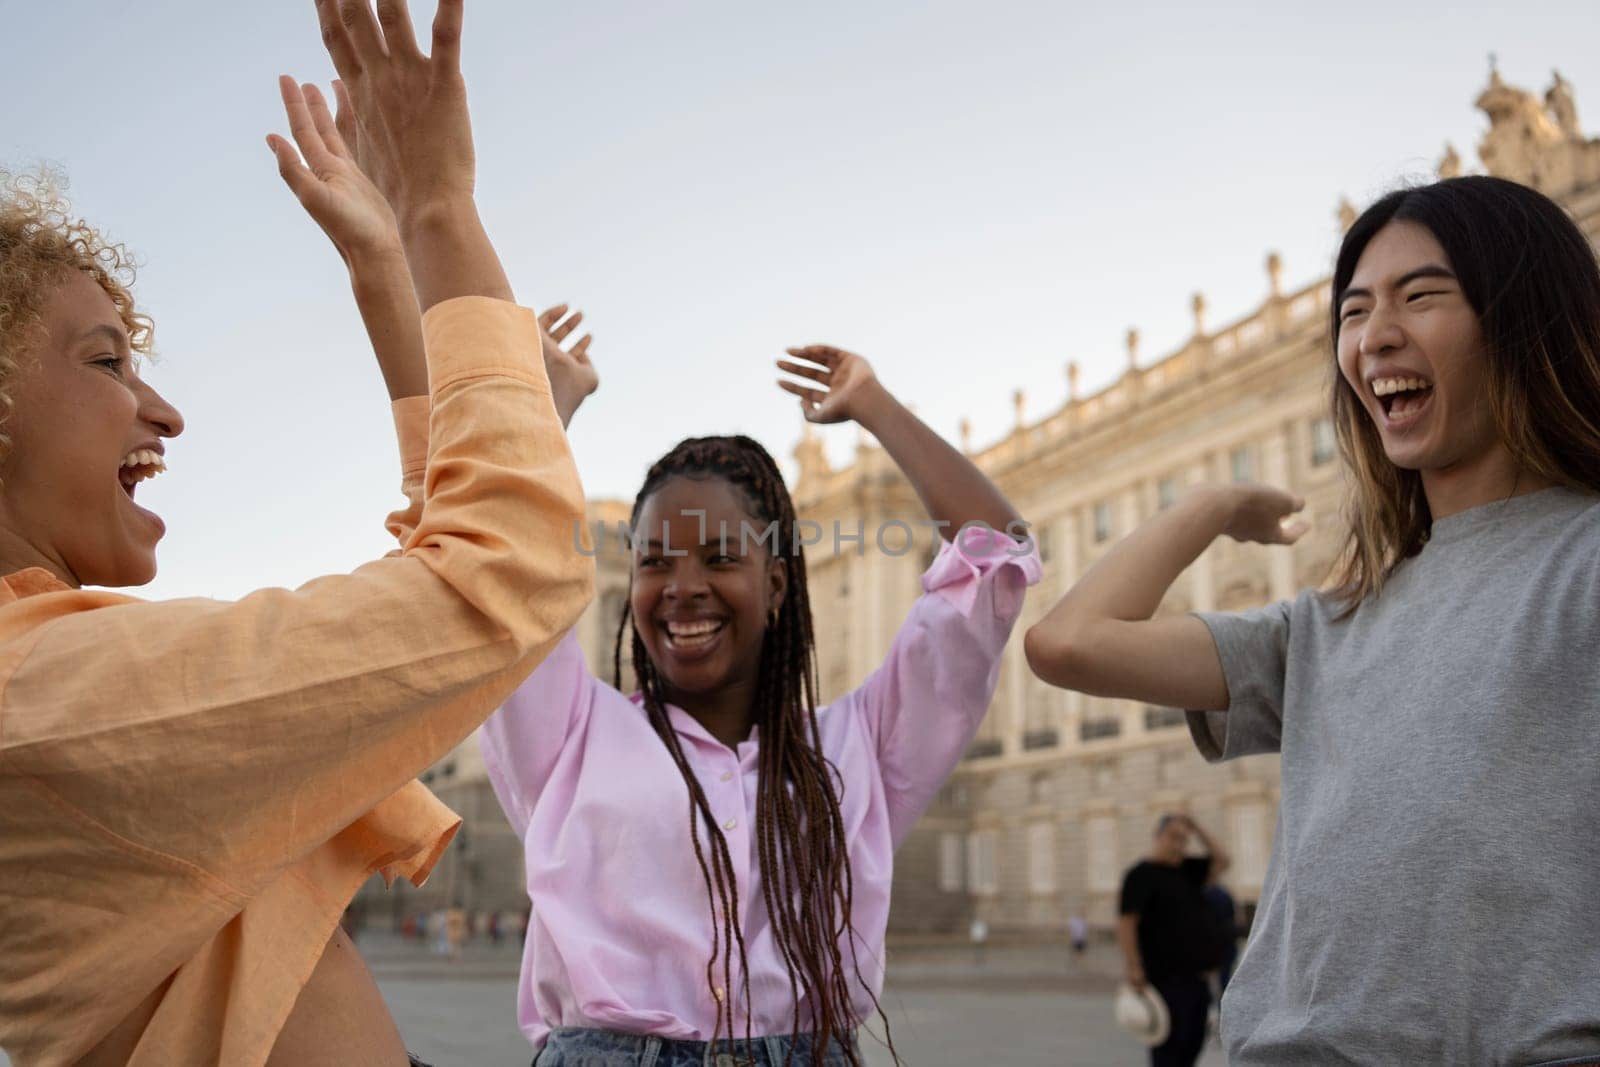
column 191, row 791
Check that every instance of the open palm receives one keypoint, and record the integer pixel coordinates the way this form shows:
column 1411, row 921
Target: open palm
column 572, row 375
column 842, row 379
column 329, row 184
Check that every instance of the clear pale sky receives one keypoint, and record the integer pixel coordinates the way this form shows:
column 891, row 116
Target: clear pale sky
column 969, row 195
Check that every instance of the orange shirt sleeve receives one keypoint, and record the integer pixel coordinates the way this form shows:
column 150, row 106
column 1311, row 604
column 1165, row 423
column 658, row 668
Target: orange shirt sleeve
column 411, row 430
column 226, row 740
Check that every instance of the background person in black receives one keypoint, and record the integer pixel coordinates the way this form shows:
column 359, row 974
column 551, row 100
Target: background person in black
column 1168, row 937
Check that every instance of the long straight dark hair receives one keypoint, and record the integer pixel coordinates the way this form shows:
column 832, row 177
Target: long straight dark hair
column 1532, row 277
column 800, row 834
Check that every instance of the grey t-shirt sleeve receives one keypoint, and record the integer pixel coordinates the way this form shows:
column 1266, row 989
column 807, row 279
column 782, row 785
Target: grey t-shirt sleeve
column 1253, row 647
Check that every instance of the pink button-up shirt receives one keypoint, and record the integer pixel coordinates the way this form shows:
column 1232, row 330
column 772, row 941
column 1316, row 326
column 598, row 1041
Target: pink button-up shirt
column 621, row 926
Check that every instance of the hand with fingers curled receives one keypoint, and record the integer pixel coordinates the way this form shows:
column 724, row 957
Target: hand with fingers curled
column 411, row 108
column 845, row 389
column 572, row 376
column 1260, row 513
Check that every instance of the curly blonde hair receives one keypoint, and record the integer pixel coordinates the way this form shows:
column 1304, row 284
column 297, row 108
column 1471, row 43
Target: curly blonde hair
column 40, row 242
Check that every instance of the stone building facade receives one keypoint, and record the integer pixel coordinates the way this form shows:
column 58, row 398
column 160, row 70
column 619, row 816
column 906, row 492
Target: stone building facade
column 1059, row 792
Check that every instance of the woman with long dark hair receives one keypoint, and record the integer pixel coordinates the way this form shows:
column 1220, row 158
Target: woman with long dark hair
column 709, row 860
column 1430, row 893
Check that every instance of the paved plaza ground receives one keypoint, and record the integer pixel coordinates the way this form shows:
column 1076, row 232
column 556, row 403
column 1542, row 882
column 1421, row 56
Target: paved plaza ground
column 1015, row 1006
column 1018, row 1006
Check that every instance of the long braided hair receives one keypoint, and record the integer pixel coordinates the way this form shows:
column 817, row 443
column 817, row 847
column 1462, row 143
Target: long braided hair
column 800, row 834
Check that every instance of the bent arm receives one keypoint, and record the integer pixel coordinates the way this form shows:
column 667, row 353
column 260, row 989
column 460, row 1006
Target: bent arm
column 1101, row 639
column 387, row 301
column 923, row 706
column 259, row 729
column 1220, row 859
column 1128, row 941
column 522, row 741
column 951, row 487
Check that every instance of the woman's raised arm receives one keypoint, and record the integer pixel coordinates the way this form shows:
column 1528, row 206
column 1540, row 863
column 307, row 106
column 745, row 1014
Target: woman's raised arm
column 1101, row 638
column 951, row 487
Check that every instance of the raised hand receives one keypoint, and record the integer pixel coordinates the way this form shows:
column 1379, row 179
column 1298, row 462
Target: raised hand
column 412, row 108
column 358, row 220
column 572, row 375
column 847, row 383
column 329, row 184
column 415, row 140
column 840, row 385
column 1258, row 513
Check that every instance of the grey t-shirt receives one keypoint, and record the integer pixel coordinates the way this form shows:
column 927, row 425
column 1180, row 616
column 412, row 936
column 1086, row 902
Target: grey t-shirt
column 1434, row 889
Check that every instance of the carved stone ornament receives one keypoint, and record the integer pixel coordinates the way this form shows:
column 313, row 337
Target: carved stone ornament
column 1536, row 142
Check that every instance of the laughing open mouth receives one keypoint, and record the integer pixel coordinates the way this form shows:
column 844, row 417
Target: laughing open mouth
column 137, row 466
column 1401, row 395
column 688, row 636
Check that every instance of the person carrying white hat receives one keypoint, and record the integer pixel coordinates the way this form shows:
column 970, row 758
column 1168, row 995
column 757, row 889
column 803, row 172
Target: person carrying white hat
column 1168, row 943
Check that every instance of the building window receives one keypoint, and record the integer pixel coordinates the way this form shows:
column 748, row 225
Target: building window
column 1167, row 492
column 983, row 748
column 1323, row 445
column 1093, row 729
column 1101, row 863
column 950, row 862
column 983, row 862
column 1160, row 718
column 1242, row 463
column 1042, row 857
column 1042, row 738
column 1102, row 521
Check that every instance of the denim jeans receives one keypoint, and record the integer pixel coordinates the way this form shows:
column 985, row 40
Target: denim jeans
column 570, row 1046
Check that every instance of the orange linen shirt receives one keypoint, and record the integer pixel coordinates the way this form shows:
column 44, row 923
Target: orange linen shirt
column 191, row 791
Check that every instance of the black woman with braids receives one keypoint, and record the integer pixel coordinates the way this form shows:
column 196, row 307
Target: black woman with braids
column 709, row 859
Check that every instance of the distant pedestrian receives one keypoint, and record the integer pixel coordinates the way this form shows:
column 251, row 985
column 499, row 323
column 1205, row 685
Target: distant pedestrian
column 979, row 933
column 1079, row 930
column 455, row 931
column 1167, row 934
column 439, row 931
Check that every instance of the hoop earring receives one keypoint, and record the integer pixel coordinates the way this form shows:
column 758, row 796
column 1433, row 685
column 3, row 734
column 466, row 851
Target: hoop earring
column 772, row 618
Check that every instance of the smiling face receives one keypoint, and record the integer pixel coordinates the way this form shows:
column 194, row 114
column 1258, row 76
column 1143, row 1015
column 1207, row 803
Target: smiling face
column 1411, row 347
column 85, row 429
column 701, row 601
